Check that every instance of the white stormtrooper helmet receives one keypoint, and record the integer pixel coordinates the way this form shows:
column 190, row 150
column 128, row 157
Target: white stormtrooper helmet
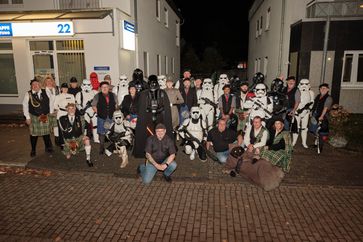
column 118, row 117
column 123, row 81
column 304, row 85
column 86, row 85
column 162, row 81
column 260, row 90
column 207, row 84
column 223, row 79
column 195, row 112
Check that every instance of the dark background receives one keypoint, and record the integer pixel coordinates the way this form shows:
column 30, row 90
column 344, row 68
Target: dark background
column 214, row 34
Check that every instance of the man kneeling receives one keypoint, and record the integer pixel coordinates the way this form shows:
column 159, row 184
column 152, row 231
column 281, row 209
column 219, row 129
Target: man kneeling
column 72, row 131
column 160, row 154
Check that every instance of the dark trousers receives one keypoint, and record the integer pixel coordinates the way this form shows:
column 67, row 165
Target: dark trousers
column 46, row 139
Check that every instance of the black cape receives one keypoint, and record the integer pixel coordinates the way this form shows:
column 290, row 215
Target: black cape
column 144, row 120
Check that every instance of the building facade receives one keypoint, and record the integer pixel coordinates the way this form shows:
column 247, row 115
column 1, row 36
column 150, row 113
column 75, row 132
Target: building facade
column 305, row 51
column 76, row 38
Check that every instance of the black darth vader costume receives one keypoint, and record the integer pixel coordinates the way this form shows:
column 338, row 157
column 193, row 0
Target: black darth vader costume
column 138, row 80
column 154, row 108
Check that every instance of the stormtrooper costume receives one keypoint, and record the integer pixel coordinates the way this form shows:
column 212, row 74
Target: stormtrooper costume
column 83, row 101
column 162, row 81
column 218, row 89
column 205, row 102
column 196, row 128
column 122, row 89
column 260, row 105
column 121, row 137
column 302, row 113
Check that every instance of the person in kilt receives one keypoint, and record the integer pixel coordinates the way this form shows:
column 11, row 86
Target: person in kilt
column 278, row 149
column 72, row 131
column 36, row 109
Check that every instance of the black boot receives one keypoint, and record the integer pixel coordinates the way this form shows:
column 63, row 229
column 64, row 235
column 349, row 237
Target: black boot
column 33, row 142
column 48, row 143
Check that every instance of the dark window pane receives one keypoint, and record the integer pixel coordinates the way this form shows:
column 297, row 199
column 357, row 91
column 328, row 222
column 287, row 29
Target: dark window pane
column 6, row 46
column 41, row 45
column 7, row 75
column 360, row 68
column 17, row 1
column 4, row 1
column 347, row 67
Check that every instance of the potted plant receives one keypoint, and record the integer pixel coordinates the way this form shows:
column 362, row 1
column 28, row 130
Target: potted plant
column 338, row 117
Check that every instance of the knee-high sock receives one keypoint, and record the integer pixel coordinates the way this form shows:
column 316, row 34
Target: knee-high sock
column 56, row 131
column 33, row 142
column 87, row 148
column 294, row 138
column 47, row 141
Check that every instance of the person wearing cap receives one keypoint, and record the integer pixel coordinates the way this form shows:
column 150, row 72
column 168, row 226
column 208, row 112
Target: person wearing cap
column 107, row 78
column 278, row 148
column 72, row 131
column 240, row 111
column 175, row 99
column 73, row 86
column 227, row 104
column 104, row 104
column 186, row 74
column 36, row 109
column 320, row 111
column 129, row 106
column 160, row 156
column 60, row 109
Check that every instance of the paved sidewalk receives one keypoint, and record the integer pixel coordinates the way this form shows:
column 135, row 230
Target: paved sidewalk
column 90, row 207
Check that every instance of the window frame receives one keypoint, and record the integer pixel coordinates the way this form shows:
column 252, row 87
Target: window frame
column 166, row 15
column 353, row 83
column 158, row 10
column 10, row 52
column 268, row 16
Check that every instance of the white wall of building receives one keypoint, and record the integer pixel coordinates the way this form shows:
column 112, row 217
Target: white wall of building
column 270, row 42
column 105, row 49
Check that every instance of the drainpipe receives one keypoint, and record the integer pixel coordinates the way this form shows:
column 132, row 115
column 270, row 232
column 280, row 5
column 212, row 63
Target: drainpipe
column 136, row 35
column 325, row 50
column 280, row 63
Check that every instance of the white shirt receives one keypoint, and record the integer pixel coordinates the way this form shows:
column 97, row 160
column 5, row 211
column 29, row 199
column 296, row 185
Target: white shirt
column 247, row 139
column 26, row 104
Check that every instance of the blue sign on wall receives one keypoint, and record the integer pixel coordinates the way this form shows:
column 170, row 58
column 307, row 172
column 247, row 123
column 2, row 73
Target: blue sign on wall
column 129, row 26
column 6, row 30
column 101, row 68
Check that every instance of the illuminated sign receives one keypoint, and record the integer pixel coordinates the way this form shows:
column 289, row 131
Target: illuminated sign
column 36, row 29
column 128, row 35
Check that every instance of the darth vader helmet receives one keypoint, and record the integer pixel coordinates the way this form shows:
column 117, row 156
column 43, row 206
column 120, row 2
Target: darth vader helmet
column 153, row 83
column 277, row 85
column 258, row 78
column 138, row 75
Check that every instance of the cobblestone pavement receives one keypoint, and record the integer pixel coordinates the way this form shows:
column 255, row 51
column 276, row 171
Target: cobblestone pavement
column 88, row 207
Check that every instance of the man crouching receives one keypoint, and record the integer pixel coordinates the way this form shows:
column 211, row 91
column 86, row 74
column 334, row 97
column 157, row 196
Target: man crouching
column 160, row 154
column 72, row 130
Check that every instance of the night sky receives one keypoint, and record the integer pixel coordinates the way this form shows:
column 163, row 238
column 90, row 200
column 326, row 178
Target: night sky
column 223, row 24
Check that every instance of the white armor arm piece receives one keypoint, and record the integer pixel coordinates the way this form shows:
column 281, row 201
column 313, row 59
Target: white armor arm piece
column 78, row 101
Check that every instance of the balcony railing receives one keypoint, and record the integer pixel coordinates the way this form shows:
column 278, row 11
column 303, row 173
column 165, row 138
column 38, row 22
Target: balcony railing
column 347, row 8
column 78, row 4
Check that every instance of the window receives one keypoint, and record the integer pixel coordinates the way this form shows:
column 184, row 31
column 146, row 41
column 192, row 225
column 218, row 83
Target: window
column 4, row 1
column 259, row 65
column 256, row 67
column 268, row 15
column 166, row 13
column 146, row 63
column 177, row 26
column 8, row 84
column 166, row 65
column 257, row 28
column 11, row 1
column 173, row 65
column 158, row 64
column 265, row 65
column 158, row 9
column 260, row 30
column 352, row 73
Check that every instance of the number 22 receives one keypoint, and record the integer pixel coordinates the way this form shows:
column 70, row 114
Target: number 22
column 64, row 28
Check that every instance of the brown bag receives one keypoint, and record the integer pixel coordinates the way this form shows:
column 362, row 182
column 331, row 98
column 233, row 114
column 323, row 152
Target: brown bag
column 235, row 153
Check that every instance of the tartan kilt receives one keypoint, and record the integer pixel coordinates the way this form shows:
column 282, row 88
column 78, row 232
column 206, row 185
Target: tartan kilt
column 38, row 128
column 80, row 145
column 278, row 158
column 52, row 118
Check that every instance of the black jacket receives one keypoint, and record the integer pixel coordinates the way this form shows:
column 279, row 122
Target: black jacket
column 68, row 130
column 191, row 98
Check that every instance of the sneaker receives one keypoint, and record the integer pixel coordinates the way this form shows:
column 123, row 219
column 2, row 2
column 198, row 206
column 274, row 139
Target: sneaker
column 168, row 178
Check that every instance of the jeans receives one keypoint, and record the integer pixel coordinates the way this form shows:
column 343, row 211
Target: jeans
column 148, row 171
column 222, row 156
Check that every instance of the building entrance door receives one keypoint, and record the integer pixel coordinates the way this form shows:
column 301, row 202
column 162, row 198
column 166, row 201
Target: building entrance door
column 43, row 64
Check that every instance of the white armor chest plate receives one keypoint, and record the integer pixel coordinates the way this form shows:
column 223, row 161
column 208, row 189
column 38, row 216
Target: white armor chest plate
column 195, row 129
column 119, row 128
column 305, row 98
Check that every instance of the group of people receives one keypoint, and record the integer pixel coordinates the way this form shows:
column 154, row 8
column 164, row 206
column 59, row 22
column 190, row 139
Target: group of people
column 149, row 116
